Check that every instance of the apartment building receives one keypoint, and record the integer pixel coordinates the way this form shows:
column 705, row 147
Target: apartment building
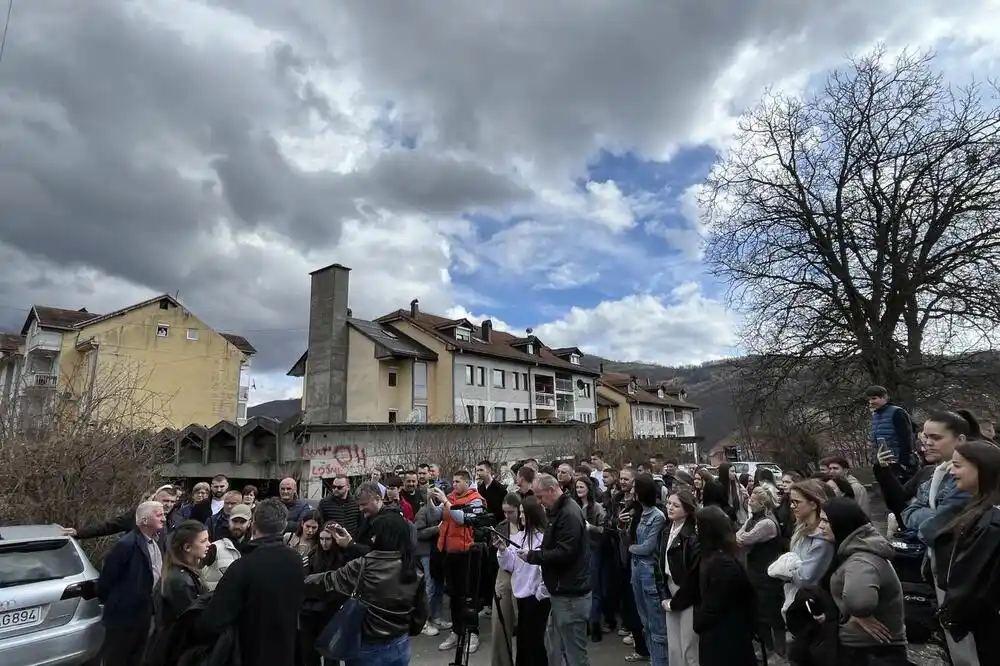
column 629, row 410
column 170, row 367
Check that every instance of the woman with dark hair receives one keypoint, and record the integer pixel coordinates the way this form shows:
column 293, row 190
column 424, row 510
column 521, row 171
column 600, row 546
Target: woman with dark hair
column 938, row 501
column 724, row 614
column 643, row 554
column 677, row 577
column 735, row 494
column 390, row 588
column 529, row 591
column 760, row 539
column 783, row 509
column 305, row 539
column 864, row 586
column 584, row 493
column 327, row 556
column 250, row 495
column 966, row 554
column 504, row 618
column 711, row 492
column 179, row 585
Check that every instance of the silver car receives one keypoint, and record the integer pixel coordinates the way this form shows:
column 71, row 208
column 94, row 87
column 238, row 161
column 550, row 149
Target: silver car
column 49, row 611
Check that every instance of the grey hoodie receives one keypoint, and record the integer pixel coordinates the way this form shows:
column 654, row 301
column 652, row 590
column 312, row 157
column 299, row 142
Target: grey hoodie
column 865, row 585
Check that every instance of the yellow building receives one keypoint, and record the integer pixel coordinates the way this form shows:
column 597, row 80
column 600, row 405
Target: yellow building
column 626, row 410
column 154, row 363
column 390, row 376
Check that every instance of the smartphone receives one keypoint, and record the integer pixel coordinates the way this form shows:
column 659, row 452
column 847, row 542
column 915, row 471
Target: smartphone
column 500, row 536
column 811, row 607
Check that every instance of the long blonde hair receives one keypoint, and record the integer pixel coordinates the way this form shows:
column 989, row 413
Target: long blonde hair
column 181, row 536
column 812, row 490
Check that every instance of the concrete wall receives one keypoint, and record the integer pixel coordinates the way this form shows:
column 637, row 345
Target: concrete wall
column 325, row 397
column 265, row 449
column 167, row 380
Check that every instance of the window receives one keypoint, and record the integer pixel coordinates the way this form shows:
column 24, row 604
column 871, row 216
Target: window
column 586, row 417
column 517, row 410
column 192, row 334
column 421, row 411
column 463, row 334
column 499, row 379
column 25, row 561
column 480, row 376
column 392, row 416
column 574, row 359
column 420, row 381
column 517, row 380
column 640, row 413
column 499, row 414
column 470, row 412
column 482, row 414
column 162, row 330
column 524, row 381
column 392, row 377
column 583, row 389
column 469, row 370
column 241, row 411
column 531, row 348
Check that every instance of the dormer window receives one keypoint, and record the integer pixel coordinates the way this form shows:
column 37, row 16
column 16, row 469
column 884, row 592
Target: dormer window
column 574, row 359
column 659, row 393
column 463, row 334
column 531, row 348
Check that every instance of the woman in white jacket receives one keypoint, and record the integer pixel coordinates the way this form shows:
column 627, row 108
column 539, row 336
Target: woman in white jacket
column 811, row 554
column 526, row 582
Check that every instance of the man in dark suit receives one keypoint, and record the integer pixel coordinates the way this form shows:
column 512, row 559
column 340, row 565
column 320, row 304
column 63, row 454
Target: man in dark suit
column 211, row 505
column 125, row 587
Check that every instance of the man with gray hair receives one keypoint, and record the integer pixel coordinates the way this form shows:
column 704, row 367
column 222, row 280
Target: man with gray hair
column 125, row 587
column 261, row 593
column 565, row 561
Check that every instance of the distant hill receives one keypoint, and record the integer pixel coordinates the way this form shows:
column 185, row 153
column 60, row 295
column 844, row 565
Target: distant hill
column 708, row 386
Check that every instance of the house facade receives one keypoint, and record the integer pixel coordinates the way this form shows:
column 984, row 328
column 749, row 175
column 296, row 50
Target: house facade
column 155, row 359
column 629, row 410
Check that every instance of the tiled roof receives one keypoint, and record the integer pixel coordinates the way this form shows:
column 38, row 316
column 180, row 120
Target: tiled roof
column 239, row 342
column 500, row 345
column 57, row 318
column 605, row 402
column 619, row 382
column 10, row 342
column 394, row 342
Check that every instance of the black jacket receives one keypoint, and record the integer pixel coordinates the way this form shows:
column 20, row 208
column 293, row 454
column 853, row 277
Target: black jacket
column 683, row 558
column 344, row 512
column 969, row 572
column 126, row 523
column 174, row 595
column 565, row 552
column 202, row 511
column 493, row 495
column 392, row 607
column 185, row 645
column 125, row 586
column 261, row 596
column 724, row 617
column 362, row 543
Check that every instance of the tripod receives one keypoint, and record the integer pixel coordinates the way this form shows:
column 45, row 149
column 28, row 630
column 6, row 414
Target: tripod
column 470, row 610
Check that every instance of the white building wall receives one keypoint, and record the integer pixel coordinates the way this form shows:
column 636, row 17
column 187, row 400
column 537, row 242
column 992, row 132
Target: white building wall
column 647, row 421
column 514, row 401
column 586, row 399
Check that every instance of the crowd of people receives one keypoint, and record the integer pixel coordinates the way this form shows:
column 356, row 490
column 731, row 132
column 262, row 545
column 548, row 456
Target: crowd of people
column 682, row 566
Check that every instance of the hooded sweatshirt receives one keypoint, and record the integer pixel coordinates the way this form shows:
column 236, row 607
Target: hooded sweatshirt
column 865, row 585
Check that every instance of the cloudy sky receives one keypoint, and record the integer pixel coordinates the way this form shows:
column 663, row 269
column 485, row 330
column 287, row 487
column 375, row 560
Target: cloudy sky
column 536, row 162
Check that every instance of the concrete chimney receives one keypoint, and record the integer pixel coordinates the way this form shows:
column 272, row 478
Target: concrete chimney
column 325, row 399
column 414, row 308
column 486, row 329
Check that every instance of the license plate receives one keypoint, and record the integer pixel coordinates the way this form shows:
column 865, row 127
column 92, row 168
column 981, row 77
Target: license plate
column 25, row 617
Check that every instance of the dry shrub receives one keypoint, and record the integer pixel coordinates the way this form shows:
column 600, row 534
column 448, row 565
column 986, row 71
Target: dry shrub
column 73, row 461
column 619, row 452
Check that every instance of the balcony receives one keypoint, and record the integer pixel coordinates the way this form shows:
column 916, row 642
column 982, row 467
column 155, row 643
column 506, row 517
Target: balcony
column 48, row 342
column 42, row 380
column 564, row 385
column 545, row 400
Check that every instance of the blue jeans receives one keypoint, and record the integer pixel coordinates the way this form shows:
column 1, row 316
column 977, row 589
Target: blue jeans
column 596, row 584
column 652, row 615
column 435, row 592
column 384, row 653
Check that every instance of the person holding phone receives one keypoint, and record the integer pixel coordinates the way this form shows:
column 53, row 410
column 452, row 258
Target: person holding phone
column 532, row 599
column 503, row 621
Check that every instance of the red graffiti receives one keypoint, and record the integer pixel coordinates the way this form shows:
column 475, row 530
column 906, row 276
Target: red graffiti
column 330, row 461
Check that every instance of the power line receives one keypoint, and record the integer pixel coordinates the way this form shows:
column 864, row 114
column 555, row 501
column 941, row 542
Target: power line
column 6, row 24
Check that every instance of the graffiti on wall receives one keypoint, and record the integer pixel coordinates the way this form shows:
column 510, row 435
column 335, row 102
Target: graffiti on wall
column 329, row 461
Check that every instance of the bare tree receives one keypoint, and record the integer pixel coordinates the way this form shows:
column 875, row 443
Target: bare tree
column 71, row 461
column 858, row 229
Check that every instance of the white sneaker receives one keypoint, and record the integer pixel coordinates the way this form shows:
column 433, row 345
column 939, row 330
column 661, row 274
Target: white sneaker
column 473, row 642
column 430, row 630
column 449, row 643
column 442, row 624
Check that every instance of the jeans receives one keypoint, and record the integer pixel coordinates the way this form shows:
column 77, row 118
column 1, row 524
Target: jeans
column 395, row 652
column 435, row 591
column 652, row 615
column 596, row 586
column 567, row 631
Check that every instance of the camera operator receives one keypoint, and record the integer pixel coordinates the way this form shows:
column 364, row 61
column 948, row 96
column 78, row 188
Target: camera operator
column 459, row 510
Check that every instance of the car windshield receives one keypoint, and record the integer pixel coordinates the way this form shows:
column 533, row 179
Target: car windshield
column 23, row 562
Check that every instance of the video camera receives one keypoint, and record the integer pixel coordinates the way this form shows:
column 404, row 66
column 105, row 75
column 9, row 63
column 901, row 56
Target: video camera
column 479, row 519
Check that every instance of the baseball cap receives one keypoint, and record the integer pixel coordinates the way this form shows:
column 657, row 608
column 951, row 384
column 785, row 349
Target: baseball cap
column 241, row 511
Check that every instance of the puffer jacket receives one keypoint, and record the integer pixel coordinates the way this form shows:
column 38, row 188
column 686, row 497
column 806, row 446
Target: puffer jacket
column 864, row 584
column 392, row 607
column 937, row 502
column 226, row 553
